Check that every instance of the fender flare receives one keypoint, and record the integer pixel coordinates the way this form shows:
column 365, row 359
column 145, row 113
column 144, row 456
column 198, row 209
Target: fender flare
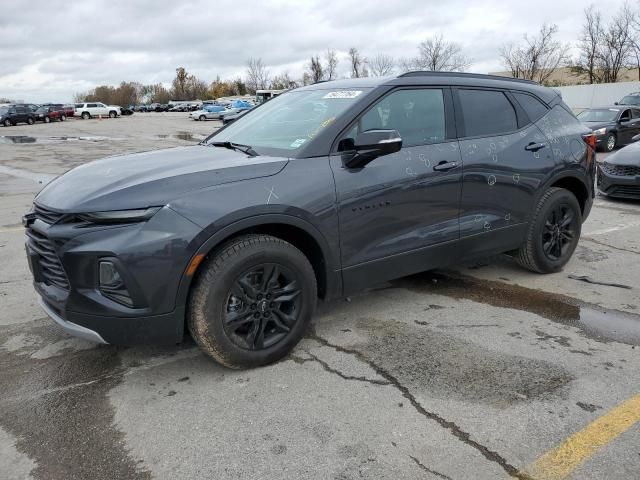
column 334, row 277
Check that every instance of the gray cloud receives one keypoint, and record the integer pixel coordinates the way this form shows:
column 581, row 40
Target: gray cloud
column 54, row 48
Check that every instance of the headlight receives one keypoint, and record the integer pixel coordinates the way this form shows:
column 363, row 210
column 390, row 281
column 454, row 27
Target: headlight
column 600, row 131
column 120, row 216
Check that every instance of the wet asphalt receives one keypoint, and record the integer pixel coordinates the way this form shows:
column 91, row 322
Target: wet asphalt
column 470, row 372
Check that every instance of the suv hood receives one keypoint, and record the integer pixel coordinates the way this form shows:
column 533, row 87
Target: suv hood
column 151, row 178
column 629, row 155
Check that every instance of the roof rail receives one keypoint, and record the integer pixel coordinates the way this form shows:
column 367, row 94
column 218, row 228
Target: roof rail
column 425, row 73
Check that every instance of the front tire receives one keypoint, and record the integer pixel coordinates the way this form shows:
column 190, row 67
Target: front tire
column 252, row 301
column 112, row 114
column 63, row 118
column 202, row 118
column 86, row 115
column 30, row 121
column 47, row 119
column 7, row 123
column 553, row 232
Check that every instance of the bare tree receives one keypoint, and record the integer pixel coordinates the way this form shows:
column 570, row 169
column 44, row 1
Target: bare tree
column 283, row 82
column 381, row 65
column 617, row 45
column 358, row 64
column 437, row 54
column 257, row 75
column 332, row 64
column 538, row 57
column 316, row 72
column 589, row 45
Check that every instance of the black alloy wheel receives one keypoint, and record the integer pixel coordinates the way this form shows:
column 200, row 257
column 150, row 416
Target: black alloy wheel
column 263, row 306
column 559, row 232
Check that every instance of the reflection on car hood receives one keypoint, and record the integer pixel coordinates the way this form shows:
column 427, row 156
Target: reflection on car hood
column 629, row 155
column 597, row 125
column 151, row 178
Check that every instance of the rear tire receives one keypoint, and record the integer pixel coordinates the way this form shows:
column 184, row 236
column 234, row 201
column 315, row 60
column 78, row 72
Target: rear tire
column 252, row 301
column 553, row 233
column 86, row 115
column 47, row 120
column 30, row 121
column 7, row 123
column 63, row 118
column 202, row 118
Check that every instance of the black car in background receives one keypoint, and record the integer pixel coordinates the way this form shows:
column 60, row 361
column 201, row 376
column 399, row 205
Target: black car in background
column 613, row 126
column 619, row 173
column 318, row 193
column 631, row 99
column 14, row 114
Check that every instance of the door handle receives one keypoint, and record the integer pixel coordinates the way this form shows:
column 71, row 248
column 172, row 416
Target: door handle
column 534, row 147
column 444, row 166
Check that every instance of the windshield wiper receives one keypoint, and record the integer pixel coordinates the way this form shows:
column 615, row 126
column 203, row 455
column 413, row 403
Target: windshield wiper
column 236, row 146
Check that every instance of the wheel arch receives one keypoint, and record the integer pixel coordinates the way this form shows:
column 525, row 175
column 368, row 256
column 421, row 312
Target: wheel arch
column 294, row 230
column 576, row 186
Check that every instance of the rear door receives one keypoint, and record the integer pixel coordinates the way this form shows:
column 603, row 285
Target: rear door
column 506, row 158
column 21, row 114
column 625, row 127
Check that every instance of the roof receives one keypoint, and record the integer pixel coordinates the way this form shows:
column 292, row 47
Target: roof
column 440, row 78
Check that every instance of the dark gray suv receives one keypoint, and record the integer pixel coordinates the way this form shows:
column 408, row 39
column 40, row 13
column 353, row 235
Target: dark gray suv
column 320, row 192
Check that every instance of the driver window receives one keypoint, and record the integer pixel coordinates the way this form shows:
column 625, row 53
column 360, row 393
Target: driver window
column 626, row 115
column 417, row 114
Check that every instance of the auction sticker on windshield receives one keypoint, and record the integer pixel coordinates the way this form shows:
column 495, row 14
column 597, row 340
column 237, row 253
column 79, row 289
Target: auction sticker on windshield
column 343, row 94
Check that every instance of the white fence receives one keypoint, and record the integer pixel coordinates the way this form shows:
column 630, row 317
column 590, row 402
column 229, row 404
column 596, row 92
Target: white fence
column 579, row 97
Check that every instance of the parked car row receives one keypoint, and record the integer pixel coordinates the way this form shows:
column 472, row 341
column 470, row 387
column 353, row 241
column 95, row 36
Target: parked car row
column 13, row 114
column 227, row 113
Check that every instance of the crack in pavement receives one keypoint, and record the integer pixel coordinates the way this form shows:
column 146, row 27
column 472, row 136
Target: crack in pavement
column 325, row 366
column 460, row 434
column 593, row 240
column 427, row 469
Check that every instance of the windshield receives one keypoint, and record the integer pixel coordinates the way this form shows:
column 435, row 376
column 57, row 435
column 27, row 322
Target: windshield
column 3, row 110
column 631, row 100
column 42, row 109
column 288, row 121
column 599, row 115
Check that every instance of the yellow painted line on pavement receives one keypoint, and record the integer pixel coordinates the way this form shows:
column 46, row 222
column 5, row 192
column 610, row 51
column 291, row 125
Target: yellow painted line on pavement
column 13, row 229
column 566, row 457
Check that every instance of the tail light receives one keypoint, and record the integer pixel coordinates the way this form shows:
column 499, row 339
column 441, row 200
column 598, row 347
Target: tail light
column 591, row 140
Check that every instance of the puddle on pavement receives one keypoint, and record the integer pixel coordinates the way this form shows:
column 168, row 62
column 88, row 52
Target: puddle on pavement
column 58, row 408
column 190, row 137
column 595, row 322
column 25, row 139
column 449, row 367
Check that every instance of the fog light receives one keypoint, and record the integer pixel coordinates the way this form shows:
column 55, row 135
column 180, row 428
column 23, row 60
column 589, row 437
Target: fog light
column 109, row 276
column 112, row 286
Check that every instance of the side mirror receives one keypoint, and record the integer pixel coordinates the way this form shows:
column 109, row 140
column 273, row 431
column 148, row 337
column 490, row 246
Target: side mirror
column 616, row 103
column 372, row 144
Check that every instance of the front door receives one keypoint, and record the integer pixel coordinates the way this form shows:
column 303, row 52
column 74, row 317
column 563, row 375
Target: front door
column 396, row 209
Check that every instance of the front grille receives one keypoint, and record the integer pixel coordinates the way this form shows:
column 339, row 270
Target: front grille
column 620, row 170
column 46, row 215
column 625, row 190
column 50, row 266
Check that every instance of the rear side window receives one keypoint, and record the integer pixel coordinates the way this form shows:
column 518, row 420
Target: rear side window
column 91, row 105
column 534, row 108
column 487, row 112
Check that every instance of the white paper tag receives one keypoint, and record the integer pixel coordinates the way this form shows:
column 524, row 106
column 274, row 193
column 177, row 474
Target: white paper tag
column 343, row 94
column 298, row 142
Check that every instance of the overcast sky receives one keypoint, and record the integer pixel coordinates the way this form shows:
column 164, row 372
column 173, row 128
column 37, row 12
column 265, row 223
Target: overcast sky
column 51, row 49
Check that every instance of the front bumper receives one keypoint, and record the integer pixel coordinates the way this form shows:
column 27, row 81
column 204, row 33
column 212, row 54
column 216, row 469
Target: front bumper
column 69, row 327
column 618, row 186
column 64, row 261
